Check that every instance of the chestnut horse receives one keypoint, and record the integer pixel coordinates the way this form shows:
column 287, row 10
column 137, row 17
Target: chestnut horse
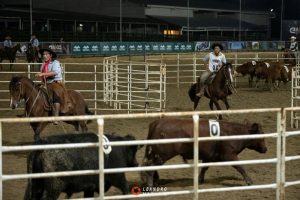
column 10, row 55
column 217, row 90
column 38, row 105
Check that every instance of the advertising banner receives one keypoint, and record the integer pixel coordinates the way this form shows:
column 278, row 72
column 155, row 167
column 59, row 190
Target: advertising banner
column 290, row 28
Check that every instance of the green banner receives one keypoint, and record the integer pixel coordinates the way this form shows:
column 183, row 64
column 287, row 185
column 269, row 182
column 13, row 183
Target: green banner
column 115, row 48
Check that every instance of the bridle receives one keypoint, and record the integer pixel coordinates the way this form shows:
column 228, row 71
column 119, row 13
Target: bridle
column 21, row 96
column 228, row 81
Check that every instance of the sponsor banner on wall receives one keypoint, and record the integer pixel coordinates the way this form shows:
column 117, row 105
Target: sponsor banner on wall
column 237, row 45
column 85, row 48
column 202, row 46
column 290, row 28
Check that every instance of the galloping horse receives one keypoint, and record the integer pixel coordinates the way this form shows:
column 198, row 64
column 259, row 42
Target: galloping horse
column 218, row 89
column 289, row 57
column 10, row 55
column 32, row 55
column 38, row 105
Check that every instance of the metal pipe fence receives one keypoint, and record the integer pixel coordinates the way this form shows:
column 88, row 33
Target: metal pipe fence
column 280, row 158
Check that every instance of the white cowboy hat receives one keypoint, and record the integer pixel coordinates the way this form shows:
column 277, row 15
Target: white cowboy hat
column 293, row 37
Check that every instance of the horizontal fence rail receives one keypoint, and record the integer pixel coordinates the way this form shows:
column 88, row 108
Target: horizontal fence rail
column 280, row 159
column 105, row 85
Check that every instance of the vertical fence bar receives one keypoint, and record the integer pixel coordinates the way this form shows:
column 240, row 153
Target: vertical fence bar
column 280, row 169
column 196, row 154
column 178, row 70
column 28, row 70
column 236, row 64
column 194, row 67
column 1, row 173
column 128, row 86
column 100, row 123
column 95, row 89
column 116, row 85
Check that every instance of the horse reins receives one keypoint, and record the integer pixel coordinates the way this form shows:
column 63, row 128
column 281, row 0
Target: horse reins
column 228, row 83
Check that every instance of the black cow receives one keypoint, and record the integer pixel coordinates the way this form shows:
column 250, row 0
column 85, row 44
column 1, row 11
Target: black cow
column 77, row 159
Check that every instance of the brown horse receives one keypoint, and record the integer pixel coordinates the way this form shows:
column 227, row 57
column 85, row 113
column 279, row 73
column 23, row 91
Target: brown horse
column 217, row 90
column 37, row 104
column 32, row 55
column 289, row 57
column 10, row 55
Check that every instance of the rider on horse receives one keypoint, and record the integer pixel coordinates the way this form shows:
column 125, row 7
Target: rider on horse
column 294, row 46
column 51, row 75
column 214, row 62
column 7, row 45
column 34, row 44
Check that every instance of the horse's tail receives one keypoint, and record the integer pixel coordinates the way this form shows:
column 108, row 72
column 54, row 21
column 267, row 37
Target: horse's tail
column 192, row 92
column 88, row 112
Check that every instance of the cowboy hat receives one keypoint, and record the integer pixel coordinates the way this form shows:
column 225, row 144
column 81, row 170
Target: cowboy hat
column 54, row 55
column 8, row 37
column 213, row 46
column 293, row 37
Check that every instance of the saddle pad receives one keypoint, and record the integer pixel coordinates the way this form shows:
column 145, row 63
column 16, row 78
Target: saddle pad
column 267, row 64
column 286, row 69
column 214, row 128
column 253, row 62
column 106, row 147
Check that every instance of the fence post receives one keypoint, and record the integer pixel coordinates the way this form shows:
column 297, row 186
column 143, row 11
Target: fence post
column 28, row 70
column 280, row 171
column 100, row 123
column 95, row 89
column 178, row 70
column 1, row 173
column 194, row 67
column 196, row 155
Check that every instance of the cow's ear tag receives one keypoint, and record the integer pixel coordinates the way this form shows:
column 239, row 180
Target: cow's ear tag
column 106, row 147
column 214, row 128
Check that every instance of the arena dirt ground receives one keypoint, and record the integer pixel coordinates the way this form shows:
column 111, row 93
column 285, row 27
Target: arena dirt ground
column 177, row 100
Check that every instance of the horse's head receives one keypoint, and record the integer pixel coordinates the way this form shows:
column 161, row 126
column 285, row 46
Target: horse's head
column 16, row 91
column 228, row 72
column 18, row 47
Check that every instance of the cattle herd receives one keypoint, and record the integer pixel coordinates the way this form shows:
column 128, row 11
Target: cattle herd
column 125, row 156
column 272, row 72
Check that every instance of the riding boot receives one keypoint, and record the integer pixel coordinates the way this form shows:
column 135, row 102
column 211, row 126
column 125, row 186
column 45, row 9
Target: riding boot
column 56, row 111
column 200, row 90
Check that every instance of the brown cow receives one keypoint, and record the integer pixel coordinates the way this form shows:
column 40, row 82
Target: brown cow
column 209, row 151
column 272, row 72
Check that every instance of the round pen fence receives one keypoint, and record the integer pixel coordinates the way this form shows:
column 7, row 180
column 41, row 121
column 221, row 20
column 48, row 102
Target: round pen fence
column 295, row 97
column 139, row 86
column 280, row 159
column 108, row 86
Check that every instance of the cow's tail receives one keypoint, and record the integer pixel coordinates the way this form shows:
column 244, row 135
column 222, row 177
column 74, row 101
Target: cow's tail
column 192, row 92
column 88, row 112
column 34, row 165
column 30, row 161
column 148, row 153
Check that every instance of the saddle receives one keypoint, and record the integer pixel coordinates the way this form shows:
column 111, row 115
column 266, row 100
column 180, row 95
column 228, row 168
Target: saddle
column 48, row 101
column 211, row 77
